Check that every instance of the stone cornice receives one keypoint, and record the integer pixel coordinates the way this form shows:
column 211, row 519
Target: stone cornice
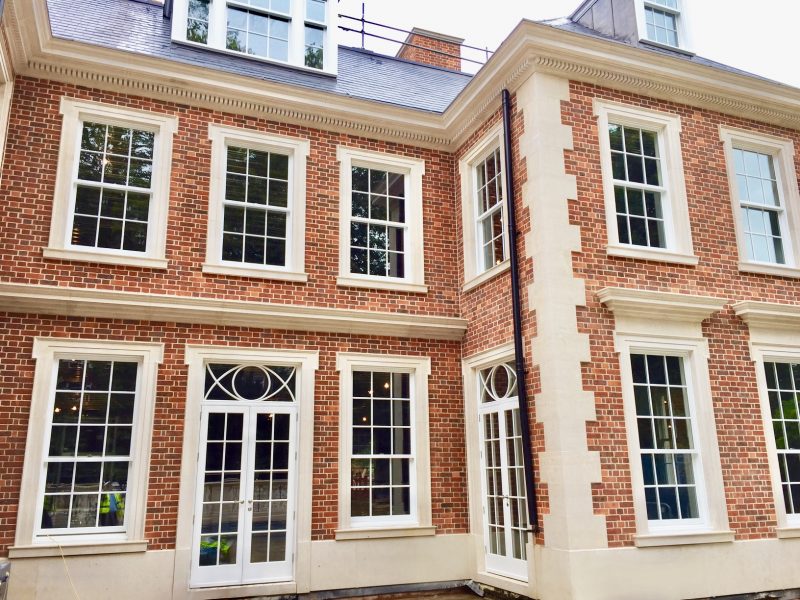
column 79, row 302
column 206, row 96
column 643, row 304
column 768, row 315
column 681, row 94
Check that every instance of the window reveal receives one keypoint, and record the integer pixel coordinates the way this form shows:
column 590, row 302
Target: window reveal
column 113, row 188
column 256, row 209
column 89, row 453
column 382, row 447
column 638, row 189
column 761, row 207
column 490, row 210
column 666, row 443
column 377, row 223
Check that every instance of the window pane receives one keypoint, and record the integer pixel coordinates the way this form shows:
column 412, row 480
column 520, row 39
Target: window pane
column 121, row 157
column 380, row 476
column 89, row 493
column 490, row 210
column 315, row 10
column 380, row 200
column 615, row 136
column 665, row 425
column 262, row 182
column 314, row 57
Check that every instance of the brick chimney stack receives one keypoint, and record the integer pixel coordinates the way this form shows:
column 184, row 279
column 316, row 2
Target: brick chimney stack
column 438, row 42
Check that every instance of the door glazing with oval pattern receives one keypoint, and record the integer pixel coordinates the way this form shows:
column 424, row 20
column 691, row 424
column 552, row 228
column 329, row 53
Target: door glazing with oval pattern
column 503, row 476
column 244, row 524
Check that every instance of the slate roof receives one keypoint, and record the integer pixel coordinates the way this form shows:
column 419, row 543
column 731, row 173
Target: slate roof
column 140, row 28
column 566, row 24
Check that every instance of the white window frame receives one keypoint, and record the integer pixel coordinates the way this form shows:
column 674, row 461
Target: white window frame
column 307, row 363
column 782, row 152
column 6, row 94
column 413, row 169
column 298, row 150
column 419, row 522
column 677, row 331
column 217, row 29
column 47, row 352
column 677, row 228
column 693, row 354
column 467, row 167
column 75, row 112
column 763, row 352
column 685, row 42
column 470, row 370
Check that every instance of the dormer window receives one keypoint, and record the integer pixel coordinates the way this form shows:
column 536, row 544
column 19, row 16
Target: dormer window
column 662, row 22
column 661, row 18
column 294, row 32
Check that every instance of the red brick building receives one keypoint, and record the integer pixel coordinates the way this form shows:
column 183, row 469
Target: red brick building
column 259, row 329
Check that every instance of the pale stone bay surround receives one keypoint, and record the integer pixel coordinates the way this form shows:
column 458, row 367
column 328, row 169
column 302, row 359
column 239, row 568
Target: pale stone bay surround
column 566, row 466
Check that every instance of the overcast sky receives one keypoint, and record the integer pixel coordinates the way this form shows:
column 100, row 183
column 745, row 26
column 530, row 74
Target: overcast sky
column 761, row 37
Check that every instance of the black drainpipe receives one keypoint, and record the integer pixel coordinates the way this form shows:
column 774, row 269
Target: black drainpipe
column 519, row 349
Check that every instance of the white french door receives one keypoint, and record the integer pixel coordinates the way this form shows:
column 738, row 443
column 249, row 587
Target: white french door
column 505, row 516
column 244, row 523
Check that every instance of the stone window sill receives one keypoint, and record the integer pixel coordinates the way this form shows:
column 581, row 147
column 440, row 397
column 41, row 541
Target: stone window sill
column 683, row 539
column 381, row 284
column 108, row 259
column 788, row 533
column 653, row 254
column 765, row 269
column 486, row 275
column 237, row 271
column 76, row 549
column 384, row 532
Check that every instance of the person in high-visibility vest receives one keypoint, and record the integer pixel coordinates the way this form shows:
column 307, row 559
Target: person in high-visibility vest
column 208, row 546
column 112, row 508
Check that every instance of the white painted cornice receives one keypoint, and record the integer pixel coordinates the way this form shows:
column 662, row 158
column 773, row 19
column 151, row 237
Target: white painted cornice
column 534, row 47
column 531, row 47
column 77, row 302
column 39, row 54
column 659, row 306
column 768, row 315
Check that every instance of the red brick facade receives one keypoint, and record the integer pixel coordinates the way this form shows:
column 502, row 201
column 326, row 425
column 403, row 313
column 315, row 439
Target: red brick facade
column 27, row 189
column 33, row 148
column 33, row 145
column 33, row 142
column 740, row 429
column 448, row 472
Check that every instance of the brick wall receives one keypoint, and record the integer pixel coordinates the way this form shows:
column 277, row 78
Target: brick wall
column 432, row 49
column 736, row 405
column 448, row 470
column 487, row 307
column 27, row 189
